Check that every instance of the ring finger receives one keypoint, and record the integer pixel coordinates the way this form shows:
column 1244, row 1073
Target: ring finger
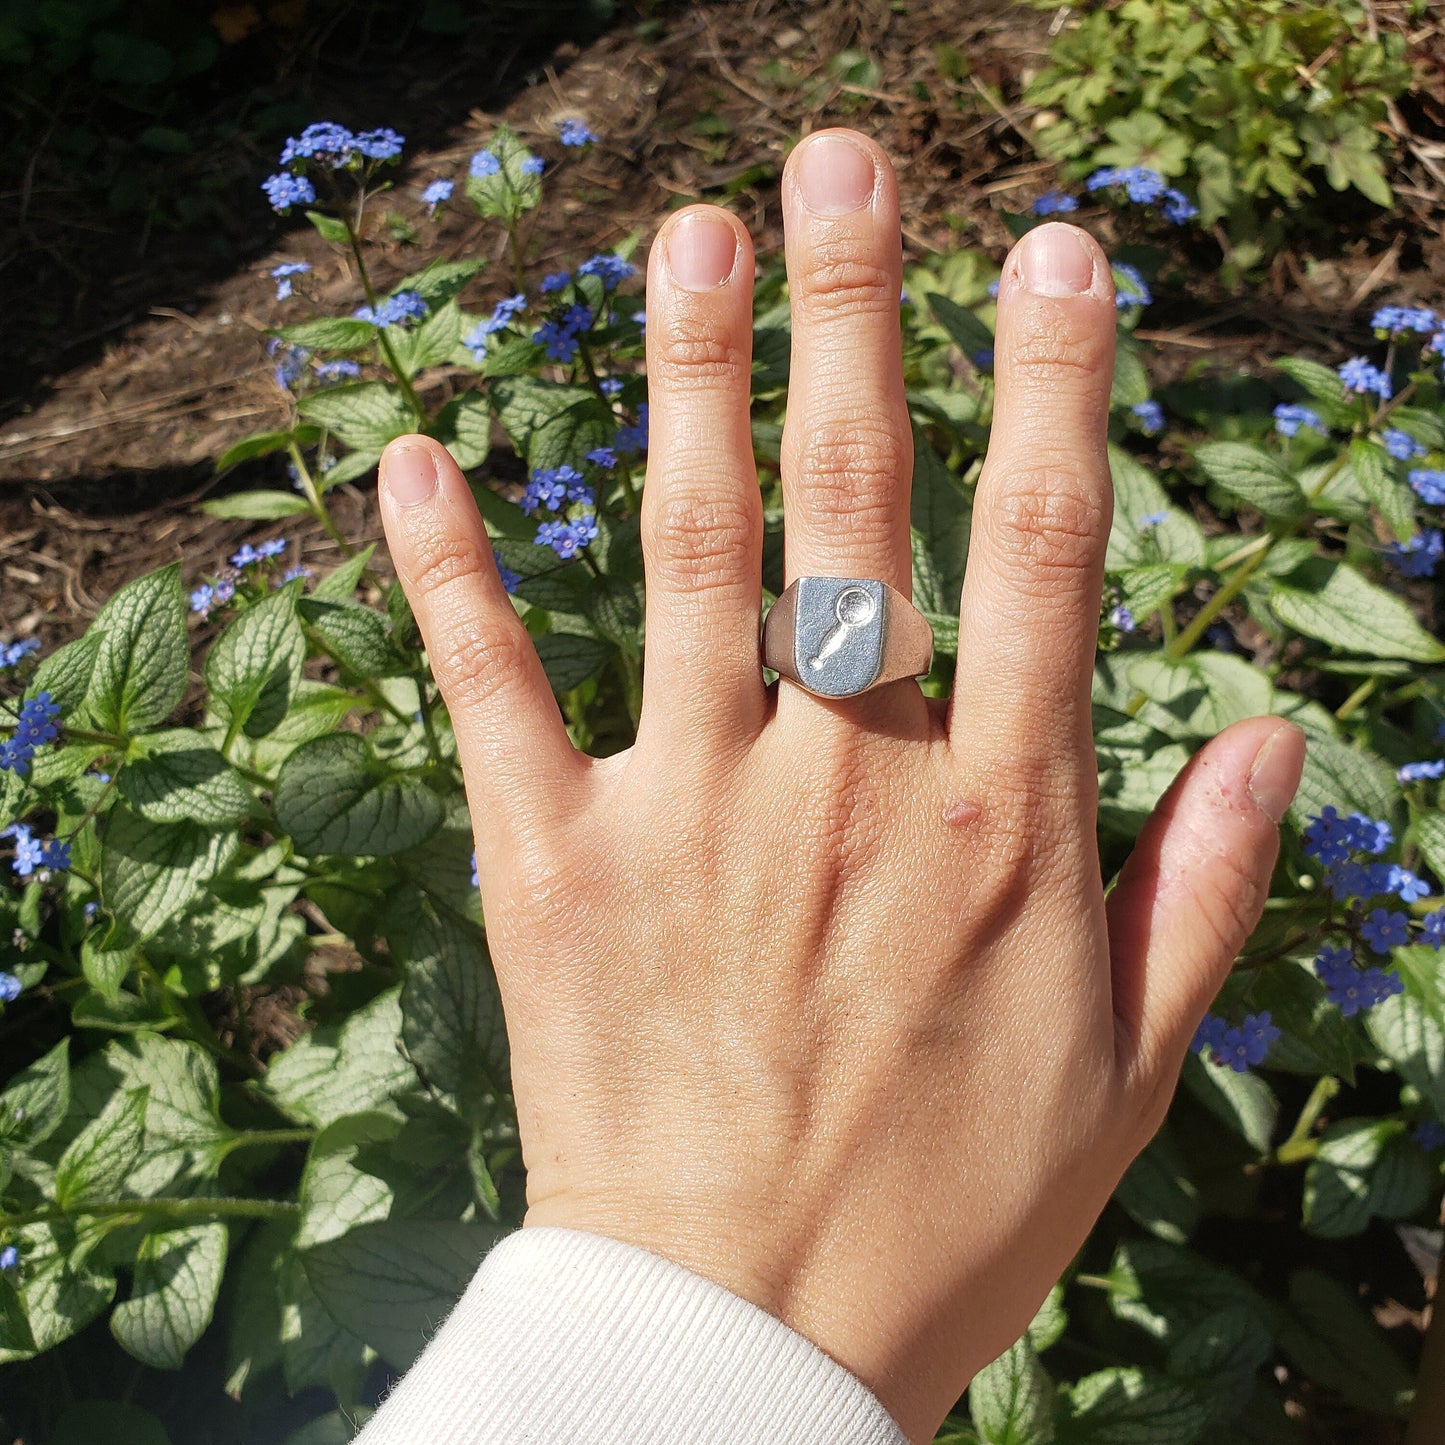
column 847, row 455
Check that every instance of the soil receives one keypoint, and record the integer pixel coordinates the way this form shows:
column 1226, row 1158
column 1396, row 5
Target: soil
column 104, row 453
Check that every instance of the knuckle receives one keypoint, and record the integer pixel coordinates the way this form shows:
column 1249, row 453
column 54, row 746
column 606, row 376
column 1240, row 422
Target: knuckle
column 1051, row 526
column 441, row 559
column 691, row 353
column 702, row 538
column 854, row 470
column 473, row 668
column 839, row 281
column 1045, row 346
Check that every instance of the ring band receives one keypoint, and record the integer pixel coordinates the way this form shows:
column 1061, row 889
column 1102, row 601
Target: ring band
column 841, row 636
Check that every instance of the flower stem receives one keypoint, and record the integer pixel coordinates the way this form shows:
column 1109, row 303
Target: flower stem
column 1300, row 1146
column 393, row 362
column 198, row 1208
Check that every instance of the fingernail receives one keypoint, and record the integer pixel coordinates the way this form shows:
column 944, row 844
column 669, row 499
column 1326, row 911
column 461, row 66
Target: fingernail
column 834, row 176
column 410, row 474
column 701, row 251
column 1055, row 261
column 1276, row 771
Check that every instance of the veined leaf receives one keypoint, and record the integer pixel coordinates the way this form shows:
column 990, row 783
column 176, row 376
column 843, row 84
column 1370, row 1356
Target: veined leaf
column 173, row 1294
column 1334, row 603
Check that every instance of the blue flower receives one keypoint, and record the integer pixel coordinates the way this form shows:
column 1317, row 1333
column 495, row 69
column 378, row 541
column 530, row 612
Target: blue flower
column 34, row 728
column 16, row 652
column 1289, row 417
column 609, row 269
column 1360, row 375
column 1152, row 519
column 1418, row 772
column 1144, row 186
column 1401, row 445
column 436, row 192
column 1429, row 485
column 9, row 1256
column 992, row 287
column 577, row 318
column 1408, row 887
column 633, row 438
column 484, row 163
column 561, row 537
column 610, row 386
column 574, row 133
column 561, row 343
column 1385, row 929
column 394, row 310
column 1178, row 208
column 1054, row 203
column 1133, row 292
column 290, row 362
column 1151, row 416
column 555, row 281
column 273, row 548
column 510, row 582
column 533, row 165
column 640, row 317
column 56, row 855
column 476, row 882
column 323, row 140
column 284, row 190
column 283, row 273
column 606, row 458
column 225, row 589
column 1238, row 1048
column 982, row 358
column 382, row 144
column 1353, row 989
column 1429, row 1135
column 1329, row 838
column 1432, row 929
column 29, row 850
column 244, row 557
column 1392, row 320
column 1104, row 176
column 1420, row 555
column 502, row 314
column 337, row 370
column 1121, row 618
column 202, row 598
column 291, row 574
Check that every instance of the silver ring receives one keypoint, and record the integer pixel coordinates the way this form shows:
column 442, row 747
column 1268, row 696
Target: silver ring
column 841, row 636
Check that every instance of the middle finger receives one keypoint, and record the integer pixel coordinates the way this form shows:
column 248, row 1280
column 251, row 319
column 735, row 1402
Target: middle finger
column 847, row 455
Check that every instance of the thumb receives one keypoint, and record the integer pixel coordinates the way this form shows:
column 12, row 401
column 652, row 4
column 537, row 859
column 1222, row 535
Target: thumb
column 1194, row 888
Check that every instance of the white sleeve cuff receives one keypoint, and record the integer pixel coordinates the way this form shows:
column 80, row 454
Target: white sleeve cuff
column 565, row 1337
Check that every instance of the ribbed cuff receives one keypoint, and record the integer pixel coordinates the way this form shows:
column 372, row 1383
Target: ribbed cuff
column 565, row 1337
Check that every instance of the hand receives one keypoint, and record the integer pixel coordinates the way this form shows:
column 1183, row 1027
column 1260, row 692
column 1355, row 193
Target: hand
column 823, row 1000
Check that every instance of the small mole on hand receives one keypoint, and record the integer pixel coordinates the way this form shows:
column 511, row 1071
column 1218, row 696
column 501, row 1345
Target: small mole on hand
column 962, row 813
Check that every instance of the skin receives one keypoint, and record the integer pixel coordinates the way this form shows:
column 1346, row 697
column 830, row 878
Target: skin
column 822, row 1000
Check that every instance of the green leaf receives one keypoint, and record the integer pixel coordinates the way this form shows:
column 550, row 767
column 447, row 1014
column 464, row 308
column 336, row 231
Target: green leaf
column 941, row 518
column 1219, row 1357
column 453, row 1026
column 1376, row 475
column 1334, row 603
column 185, row 1140
column 1011, row 1399
column 569, row 659
column 364, row 414
column 341, row 582
column 1322, row 383
column 505, row 195
column 1138, row 494
column 389, row 1283
column 1207, row 691
column 440, row 280
column 1413, row 1039
column 150, row 872
column 108, row 1422
column 329, row 228
column 1314, row 1037
column 464, row 427
column 1336, row 1344
column 349, row 468
column 102, row 1155
column 334, row 795
column 144, row 655
column 330, row 333
column 255, row 506
column 547, row 581
column 36, row 1099
column 254, row 666
column 337, row 1193
column 1158, row 1193
column 964, row 329
column 1245, row 1102
column 1346, row 777
column 60, row 1291
column 1132, row 1407
column 1251, row 475
column 1048, row 1325
column 1131, row 380
column 358, row 637
column 1421, row 423
column 429, row 344
column 173, row 1294
column 1364, row 1168
column 332, row 1072
column 549, row 422
column 259, row 444
column 106, row 958
column 176, row 777
column 66, row 673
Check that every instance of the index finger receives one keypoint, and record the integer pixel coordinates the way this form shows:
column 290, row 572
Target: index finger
column 1030, row 609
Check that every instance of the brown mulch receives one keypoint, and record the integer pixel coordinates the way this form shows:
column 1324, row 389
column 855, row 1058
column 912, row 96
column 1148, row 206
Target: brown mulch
column 99, row 478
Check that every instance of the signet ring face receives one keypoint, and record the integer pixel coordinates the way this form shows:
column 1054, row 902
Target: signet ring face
column 841, row 636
